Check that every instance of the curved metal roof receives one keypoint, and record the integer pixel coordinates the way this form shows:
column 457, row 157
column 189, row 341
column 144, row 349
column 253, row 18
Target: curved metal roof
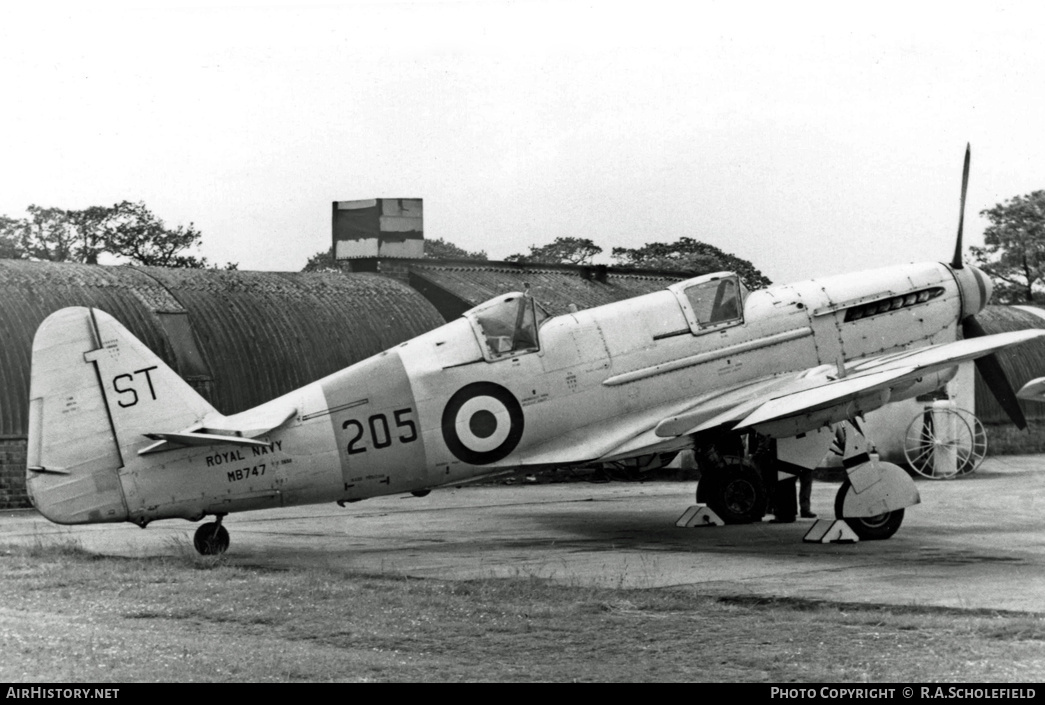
column 455, row 286
column 241, row 338
column 1021, row 363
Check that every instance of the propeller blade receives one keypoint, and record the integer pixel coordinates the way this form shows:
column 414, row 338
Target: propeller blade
column 957, row 261
column 994, row 376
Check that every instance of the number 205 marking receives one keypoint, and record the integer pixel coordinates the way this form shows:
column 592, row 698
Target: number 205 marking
column 380, row 431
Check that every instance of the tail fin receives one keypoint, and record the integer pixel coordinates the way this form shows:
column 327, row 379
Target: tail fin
column 95, row 390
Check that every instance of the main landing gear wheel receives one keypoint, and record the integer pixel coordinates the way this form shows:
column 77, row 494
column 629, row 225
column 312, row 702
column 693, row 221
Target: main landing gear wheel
column 734, row 490
column 211, row 539
column 876, row 528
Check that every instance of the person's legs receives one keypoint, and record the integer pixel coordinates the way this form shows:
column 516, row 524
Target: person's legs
column 805, row 494
column 784, row 508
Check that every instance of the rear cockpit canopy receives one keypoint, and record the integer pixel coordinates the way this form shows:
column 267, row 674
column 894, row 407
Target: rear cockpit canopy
column 711, row 301
column 507, row 325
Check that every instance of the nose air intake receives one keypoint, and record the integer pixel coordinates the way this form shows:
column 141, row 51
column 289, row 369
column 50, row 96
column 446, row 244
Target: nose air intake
column 985, row 288
column 976, row 290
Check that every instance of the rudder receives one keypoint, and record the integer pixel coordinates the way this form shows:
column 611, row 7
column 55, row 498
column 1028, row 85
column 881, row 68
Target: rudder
column 94, row 390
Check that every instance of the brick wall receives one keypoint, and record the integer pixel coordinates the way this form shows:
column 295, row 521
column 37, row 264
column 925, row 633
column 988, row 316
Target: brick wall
column 12, row 474
column 396, row 269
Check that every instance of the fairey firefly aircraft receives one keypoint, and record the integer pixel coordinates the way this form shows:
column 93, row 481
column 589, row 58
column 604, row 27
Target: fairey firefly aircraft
column 115, row 435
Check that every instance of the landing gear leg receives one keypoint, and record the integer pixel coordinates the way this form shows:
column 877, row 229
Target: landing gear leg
column 873, row 528
column 874, row 495
column 732, row 487
column 211, row 539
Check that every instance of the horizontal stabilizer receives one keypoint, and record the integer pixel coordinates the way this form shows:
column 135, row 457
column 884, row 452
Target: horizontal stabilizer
column 49, row 471
column 167, row 440
column 238, row 429
column 251, row 423
column 1033, row 390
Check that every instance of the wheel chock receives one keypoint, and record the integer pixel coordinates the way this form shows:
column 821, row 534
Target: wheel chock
column 699, row 515
column 830, row 531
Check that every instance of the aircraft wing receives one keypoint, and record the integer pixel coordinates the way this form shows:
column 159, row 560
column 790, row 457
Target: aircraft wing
column 811, row 389
column 816, row 393
column 656, row 429
column 868, row 382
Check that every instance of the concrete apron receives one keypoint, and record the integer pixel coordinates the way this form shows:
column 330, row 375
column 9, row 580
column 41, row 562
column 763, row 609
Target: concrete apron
column 976, row 542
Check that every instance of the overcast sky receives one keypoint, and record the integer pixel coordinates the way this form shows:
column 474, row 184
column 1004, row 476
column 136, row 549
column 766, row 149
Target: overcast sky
column 809, row 138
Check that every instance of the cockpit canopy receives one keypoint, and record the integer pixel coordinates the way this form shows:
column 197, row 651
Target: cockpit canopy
column 711, row 301
column 507, row 325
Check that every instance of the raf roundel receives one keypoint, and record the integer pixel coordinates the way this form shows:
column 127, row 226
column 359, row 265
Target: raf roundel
column 482, row 423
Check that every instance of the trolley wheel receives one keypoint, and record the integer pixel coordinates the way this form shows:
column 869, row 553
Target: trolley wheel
column 960, row 433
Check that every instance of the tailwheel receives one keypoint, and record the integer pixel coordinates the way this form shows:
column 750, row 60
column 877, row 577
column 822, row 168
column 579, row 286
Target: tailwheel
column 875, row 528
column 211, row 539
column 734, row 490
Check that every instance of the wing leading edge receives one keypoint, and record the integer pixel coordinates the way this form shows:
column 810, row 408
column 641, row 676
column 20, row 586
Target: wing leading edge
column 780, row 405
column 869, row 383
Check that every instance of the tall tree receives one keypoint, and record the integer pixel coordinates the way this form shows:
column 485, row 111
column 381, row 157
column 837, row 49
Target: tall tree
column 436, row 248
column 48, row 234
column 1014, row 248
column 131, row 230
column 90, row 227
column 322, row 261
column 9, row 248
column 562, row 250
column 689, row 255
column 128, row 231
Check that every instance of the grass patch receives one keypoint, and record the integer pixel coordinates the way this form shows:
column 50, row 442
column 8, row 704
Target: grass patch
column 188, row 555
column 67, row 615
column 48, row 547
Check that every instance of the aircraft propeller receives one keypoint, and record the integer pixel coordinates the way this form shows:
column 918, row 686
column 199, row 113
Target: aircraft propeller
column 989, row 367
column 956, row 262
